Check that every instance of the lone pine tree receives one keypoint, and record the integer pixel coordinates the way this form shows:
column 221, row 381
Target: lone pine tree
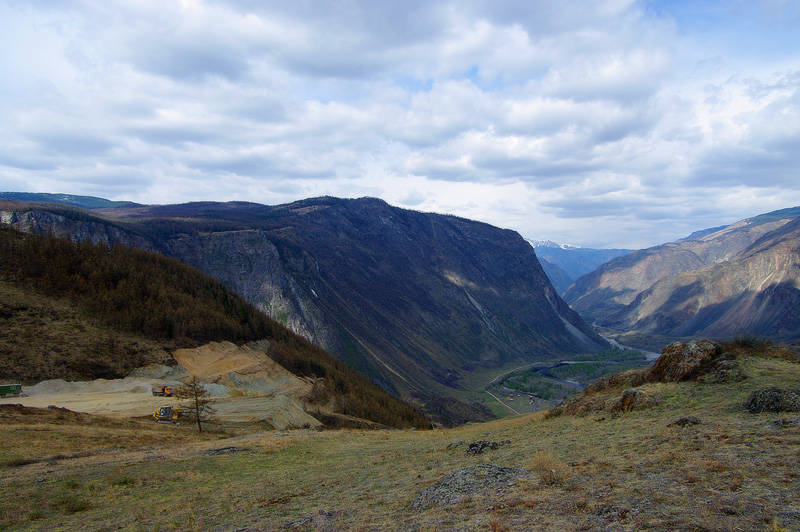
column 199, row 405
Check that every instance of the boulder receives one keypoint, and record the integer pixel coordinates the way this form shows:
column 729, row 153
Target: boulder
column 724, row 369
column 679, row 361
column 632, row 399
column 773, row 400
column 477, row 447
column 466, row 482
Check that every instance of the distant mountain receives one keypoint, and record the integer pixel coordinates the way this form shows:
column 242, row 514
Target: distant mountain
column 84, row 202
column 551, row 244
column 741, row 278
column 416, row 301
column 572, row 261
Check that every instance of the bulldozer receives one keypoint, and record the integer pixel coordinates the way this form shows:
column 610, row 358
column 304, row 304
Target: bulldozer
column 166, row 414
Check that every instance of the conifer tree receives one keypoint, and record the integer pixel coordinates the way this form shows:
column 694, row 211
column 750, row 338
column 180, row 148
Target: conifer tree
column 199, row 405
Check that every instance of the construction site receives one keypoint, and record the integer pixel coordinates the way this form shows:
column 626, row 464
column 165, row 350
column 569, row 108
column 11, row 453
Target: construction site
column 245, row 385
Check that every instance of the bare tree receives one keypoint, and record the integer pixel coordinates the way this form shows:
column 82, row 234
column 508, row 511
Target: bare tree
column 199, row 407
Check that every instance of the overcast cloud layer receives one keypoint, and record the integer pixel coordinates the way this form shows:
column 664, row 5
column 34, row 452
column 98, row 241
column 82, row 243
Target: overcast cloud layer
column 604, row 123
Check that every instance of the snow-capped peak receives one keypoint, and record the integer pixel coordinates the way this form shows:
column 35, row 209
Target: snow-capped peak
column 551, row 244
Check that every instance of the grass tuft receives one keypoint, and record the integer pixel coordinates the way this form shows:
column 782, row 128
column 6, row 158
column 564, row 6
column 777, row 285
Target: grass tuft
column 551, row 470
column 71, row 503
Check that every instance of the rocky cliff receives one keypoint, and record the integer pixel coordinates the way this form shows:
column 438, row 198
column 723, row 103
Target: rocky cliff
column 416, row 301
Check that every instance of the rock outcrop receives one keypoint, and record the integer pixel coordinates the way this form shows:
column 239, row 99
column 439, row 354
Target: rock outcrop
column 773, row 400
column 633, row 399
column 679, row 361
column 460, row 484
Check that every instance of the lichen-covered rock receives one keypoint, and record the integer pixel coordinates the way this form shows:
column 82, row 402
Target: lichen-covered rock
column 467, row 482
column 723, row 369
column 632, row 399
column 630, row 379
column 773, row 400
column 477, row 447
column 679, row 361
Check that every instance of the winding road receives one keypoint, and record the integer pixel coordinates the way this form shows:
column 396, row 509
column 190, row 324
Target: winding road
column 501, row 402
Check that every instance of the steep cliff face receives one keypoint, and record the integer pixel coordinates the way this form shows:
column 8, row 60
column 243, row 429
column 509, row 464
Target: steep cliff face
column 616, row 284
column 417, row 301
column 558, row 277
column 418, row 296
column 251, row 265
column 68, row 223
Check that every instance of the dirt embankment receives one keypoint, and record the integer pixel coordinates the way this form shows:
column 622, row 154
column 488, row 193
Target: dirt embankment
column 247, row 386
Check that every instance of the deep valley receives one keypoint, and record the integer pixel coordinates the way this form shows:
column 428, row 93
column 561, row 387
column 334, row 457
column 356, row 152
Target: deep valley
column 431, row 321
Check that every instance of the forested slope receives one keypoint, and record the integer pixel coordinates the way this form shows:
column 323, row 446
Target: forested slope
column 121, row 292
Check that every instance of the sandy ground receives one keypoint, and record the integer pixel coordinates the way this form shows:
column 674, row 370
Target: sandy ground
column 247, row 386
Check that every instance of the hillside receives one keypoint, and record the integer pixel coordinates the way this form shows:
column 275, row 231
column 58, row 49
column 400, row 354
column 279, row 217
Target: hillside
column 757, row 292
column 690, row 456
column 615, row 292
column 558, row 277
column 84, row 202
column 86, row 311
column 426, row 305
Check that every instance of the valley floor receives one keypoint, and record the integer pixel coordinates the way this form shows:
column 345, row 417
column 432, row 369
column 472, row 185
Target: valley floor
column 733, row 471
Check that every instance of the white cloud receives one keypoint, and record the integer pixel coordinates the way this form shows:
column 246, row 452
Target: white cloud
column 604, row 123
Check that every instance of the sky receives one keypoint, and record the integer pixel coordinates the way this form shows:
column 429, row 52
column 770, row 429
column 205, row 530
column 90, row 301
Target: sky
column 602, row 123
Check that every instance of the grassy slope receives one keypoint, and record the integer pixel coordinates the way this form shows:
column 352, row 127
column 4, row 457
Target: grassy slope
column 734, row 471
column 82, row 311
column 45, row 337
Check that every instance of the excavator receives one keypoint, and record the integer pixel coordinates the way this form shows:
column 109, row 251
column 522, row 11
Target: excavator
column 166, row 414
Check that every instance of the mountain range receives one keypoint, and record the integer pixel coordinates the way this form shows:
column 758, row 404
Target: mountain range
column 81, row 312
column 742, row 278
column 418, row 302
column 564, row 263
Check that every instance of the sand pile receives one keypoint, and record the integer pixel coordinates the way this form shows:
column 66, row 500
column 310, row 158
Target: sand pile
column 240, row 368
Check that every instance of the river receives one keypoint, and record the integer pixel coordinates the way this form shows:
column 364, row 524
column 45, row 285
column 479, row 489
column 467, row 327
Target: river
column 650, row 355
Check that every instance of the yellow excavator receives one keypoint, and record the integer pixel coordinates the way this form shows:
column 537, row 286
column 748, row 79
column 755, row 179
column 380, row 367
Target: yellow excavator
column 166, row 414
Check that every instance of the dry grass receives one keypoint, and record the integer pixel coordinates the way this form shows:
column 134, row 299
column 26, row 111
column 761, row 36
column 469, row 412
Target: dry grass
column 551, row 470
column 34, row 435
column 629, row 472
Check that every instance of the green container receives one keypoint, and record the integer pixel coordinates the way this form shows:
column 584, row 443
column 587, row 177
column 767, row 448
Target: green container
column 10, row 389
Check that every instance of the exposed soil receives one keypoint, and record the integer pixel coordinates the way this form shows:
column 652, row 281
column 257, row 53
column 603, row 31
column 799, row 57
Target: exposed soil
column 246, row 384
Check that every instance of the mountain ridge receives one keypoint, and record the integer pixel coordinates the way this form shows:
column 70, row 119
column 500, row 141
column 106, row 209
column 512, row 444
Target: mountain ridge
column 740, row 278
column 571, row 262
column 416, row 301
column 83, row 311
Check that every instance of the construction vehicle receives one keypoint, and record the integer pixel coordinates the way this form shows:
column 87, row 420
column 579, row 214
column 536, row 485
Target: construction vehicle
column 166, row 414
column 163, row 390
column 10, row 389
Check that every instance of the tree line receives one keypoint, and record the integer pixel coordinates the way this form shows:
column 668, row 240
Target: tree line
column 163, row 299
